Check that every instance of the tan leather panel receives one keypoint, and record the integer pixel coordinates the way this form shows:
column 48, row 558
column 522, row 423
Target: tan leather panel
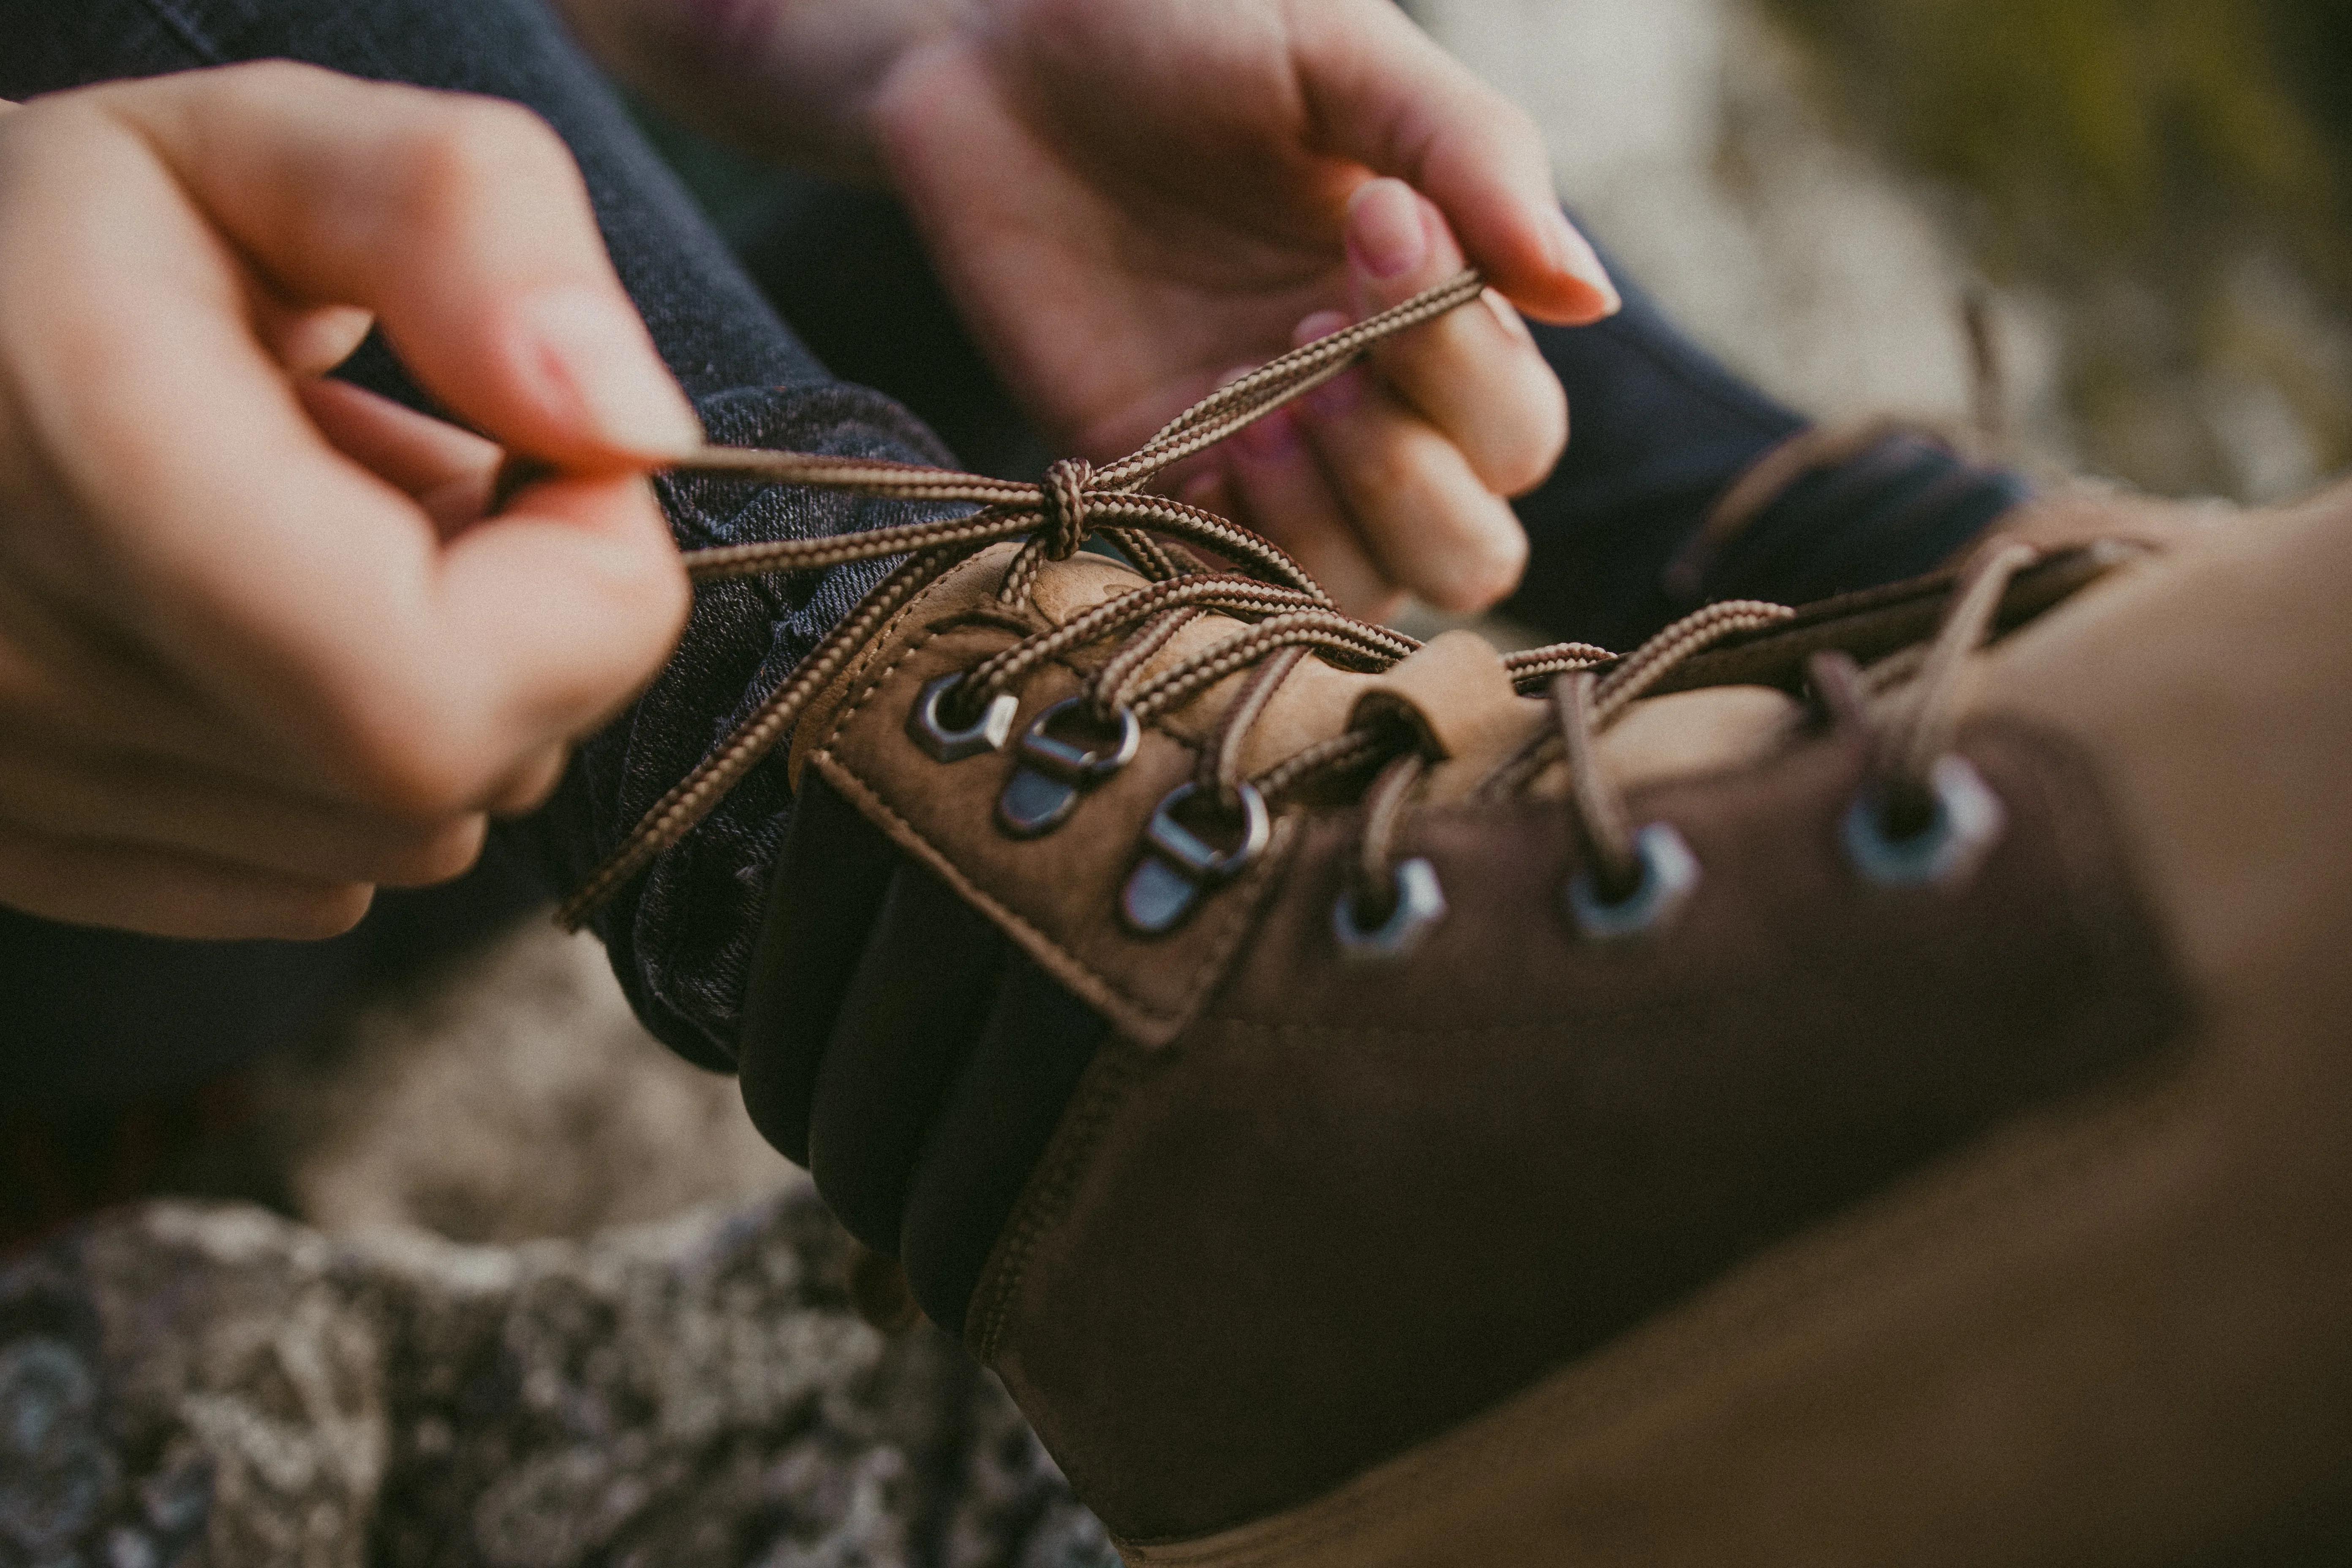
column 969, row 587
column 2213, row 688
column 1456, row 694
column 1056, row 896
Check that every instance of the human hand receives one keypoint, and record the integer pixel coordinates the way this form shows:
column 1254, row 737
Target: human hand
column 261, row 648
column 1132, row 200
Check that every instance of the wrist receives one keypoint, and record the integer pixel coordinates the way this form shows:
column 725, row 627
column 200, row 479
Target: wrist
column 791, row 81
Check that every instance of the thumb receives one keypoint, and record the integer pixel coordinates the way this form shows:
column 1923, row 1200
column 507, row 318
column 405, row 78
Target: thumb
column 461, row 223
column 1384, row 95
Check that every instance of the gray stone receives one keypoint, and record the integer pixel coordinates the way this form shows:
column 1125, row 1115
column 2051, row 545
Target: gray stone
column 186, row 1385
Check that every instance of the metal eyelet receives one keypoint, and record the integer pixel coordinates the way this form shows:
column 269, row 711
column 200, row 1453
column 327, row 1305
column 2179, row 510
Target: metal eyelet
column 1966, row 822
column 1179, row 867
column 1670, row 874
column 988, row 734
column 1054, row 773
column 1420, row 906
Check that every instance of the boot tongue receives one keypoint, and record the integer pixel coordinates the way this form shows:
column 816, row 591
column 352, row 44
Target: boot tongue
column 1068, row 589
column 1456, row 695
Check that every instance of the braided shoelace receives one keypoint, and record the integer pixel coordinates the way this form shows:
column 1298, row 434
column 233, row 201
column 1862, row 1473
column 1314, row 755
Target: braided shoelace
column 1284, row 619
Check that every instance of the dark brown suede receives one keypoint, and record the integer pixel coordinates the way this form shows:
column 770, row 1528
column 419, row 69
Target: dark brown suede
column 1350, row 1206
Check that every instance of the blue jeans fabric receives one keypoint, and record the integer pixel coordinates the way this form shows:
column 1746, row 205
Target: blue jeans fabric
column 1660, row 431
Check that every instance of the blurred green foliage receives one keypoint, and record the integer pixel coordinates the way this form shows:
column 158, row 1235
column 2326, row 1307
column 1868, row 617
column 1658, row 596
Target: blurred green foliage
column 2157, row 167
column 2095, row 132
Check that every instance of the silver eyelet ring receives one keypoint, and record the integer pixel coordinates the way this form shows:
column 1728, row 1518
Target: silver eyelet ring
column 1420, row 906
column 1967, row 821
column 1179, row 867
column 987, row 733
column 1669, row 874
column 1096, row 763
column 1044, row 789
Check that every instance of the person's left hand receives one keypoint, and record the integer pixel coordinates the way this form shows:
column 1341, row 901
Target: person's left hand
column 1131, row 200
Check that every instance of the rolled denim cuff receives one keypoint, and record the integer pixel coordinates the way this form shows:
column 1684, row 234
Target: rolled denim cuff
column 680, row 933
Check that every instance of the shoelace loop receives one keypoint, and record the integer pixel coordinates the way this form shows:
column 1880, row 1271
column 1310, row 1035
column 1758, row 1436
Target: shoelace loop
column 1286, row 617
column 1054, row 519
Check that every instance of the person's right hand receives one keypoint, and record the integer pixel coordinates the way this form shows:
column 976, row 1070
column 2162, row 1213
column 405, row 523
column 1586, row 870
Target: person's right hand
column 261, row 648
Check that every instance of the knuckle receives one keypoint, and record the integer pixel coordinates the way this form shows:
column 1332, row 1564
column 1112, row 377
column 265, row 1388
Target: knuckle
column 1380, row 467
column 270, row 81
column 462, row 153
column 1480, row 574
column 531, row 788
column 1500, row 133
column 1525, row 462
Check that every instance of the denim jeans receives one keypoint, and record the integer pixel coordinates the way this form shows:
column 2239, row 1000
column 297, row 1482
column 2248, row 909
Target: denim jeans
column 1660, row 431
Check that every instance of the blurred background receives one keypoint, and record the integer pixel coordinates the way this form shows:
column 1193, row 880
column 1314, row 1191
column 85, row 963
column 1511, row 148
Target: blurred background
column 2147, row 197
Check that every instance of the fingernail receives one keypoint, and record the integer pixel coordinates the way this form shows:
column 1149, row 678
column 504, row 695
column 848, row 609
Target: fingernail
column 1321, row 324
column 1385, row 234
column 1574, row 255
column 598, row 366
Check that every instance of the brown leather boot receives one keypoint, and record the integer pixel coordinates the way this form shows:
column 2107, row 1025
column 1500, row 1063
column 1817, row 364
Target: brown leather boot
column 1858, row 1085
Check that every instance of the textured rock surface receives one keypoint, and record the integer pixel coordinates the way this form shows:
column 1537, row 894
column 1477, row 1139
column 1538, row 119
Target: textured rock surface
column 510, row 1098
column 187, row 1386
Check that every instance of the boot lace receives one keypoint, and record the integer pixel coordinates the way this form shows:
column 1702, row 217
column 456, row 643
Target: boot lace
column 1214, row 825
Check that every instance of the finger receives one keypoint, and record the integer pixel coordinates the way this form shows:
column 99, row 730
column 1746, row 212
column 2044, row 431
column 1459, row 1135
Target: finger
column 1474, row 373
column 309, row 339
column 56, row 789
column 69, row 674
column 1426, row 522
column 447, row 471
column 1207, row 488
column 462, row 223
column 306, row 599
column 161, row 893
column 528, row 789
column 1281, row 491
column 1386, row 96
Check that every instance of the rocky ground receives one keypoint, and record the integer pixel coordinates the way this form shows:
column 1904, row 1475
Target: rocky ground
column 550, row 1301
column 184, row 1385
